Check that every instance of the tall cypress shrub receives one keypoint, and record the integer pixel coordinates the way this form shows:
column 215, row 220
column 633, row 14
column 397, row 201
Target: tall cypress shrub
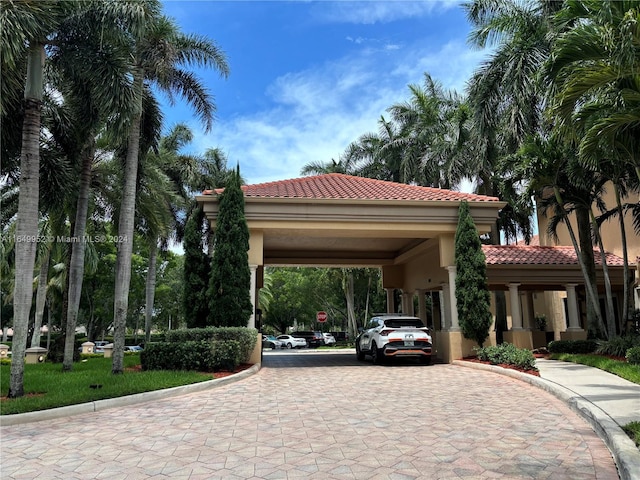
column 197, row 270
column 229, row 287
column 472, row 292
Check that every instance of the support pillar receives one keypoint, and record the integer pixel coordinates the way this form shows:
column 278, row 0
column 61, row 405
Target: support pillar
column 516, row 315
column 407, row 303
column 517, row 336
column 252, row 293
column 455, row 326
column 575, row 330
column 422, row 305
column 390, row 308
column 445, row 307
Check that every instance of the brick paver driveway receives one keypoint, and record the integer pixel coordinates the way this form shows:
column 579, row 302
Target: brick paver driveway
column 313, row 415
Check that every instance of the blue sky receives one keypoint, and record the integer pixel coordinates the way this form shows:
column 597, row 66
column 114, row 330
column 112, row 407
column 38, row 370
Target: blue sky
column 309, row 77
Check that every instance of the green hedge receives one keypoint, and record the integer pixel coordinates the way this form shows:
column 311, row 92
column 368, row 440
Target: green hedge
column 573, row 346
column 633, row 355
column 203, row 356
column 509, row 354
column 618, row 346
column 246, row 337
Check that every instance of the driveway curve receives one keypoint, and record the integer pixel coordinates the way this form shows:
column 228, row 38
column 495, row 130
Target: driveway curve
column 322, row 416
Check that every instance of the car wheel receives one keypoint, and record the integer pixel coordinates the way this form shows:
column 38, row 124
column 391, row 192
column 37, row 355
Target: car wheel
column 376, row 355
column 359, row 354
column 289, row 345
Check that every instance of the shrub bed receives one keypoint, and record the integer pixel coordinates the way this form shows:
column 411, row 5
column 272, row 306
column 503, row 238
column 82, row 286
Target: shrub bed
column 573, row 346
column 618, row 346
column 633, row 356
column 246, row 337
column 509, row 354
column 202, row 356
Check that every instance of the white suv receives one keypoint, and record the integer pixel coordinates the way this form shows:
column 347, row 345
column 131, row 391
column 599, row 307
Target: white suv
column 393, row 335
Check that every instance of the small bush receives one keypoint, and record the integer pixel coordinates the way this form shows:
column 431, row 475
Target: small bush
column 5, row 361
column 573, row 346
column 633, row 355
column 200, row 356
column 226, row 354
column 246, row 337
column 509, row 354
column 177, row 356
column 618, row 346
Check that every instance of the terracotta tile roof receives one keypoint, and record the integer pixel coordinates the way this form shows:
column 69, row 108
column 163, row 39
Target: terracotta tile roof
column 536, row 255
column 340, row 186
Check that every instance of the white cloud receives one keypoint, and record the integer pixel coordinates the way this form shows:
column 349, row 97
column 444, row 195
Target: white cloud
column 379, row 11
column 319, row 111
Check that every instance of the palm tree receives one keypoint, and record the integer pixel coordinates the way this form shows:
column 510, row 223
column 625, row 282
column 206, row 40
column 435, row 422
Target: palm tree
column 157, row 55
column 433, row 137
column 39, row 32
column 598, row 56
column 552, row 169
column 597, row 93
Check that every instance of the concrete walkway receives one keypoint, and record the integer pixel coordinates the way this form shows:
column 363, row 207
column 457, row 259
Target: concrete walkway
column 313, row 415
column 606, row 401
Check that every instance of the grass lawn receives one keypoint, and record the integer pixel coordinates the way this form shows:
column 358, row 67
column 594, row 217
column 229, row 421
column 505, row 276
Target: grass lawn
column 622, row 369
column 46, row 386
column 633, row 430
column 617, row 367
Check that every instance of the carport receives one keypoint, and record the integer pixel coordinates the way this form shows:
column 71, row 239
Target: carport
column 337, row 220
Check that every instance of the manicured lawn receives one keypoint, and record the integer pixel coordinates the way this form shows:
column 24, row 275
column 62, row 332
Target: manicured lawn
column 47, row 387
column 633, row 430
column 617, row 367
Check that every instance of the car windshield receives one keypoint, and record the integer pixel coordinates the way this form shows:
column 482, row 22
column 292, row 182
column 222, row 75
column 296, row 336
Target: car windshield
column 403, row 322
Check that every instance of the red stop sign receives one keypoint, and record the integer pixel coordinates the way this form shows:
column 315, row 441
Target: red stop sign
column 321, row 316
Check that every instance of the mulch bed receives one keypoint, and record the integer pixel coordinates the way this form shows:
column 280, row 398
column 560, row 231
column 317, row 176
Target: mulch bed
column 535, row 373
column 226, row 373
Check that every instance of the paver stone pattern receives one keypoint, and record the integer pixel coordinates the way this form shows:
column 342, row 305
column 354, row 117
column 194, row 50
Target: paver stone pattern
column 316, row 416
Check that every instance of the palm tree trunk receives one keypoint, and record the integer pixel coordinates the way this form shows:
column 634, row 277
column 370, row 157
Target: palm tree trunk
column 595, row 320
column 125, row 232
column 49, row 308
column 76, row 264
column 611, row 317
column 591, row 295
column 349, row 294
column 151, row 289
column 41, row 297
column 627, row 304
column 27, row 223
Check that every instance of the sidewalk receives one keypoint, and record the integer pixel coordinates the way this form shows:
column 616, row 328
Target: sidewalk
column 606, row 401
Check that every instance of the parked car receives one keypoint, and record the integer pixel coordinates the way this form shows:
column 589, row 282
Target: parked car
column 132, row 348
column 99, row 346
column 394, row 336
column 270, row 341
column 314, row 339
column 329, row 339
column 289, row 341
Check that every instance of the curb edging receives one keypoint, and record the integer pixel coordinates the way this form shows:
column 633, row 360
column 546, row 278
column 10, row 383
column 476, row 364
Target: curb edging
column 98, row 405
column 624, row 451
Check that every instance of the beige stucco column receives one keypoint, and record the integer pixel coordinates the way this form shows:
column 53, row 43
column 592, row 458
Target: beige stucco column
column 422, row 305
column 575, row 330
column 407, row 303
column 444, row 306
column 517, row 336
column 514, row 298
column 572, row 307
column 252, row 293
column 455, row 326
column 389, row 300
